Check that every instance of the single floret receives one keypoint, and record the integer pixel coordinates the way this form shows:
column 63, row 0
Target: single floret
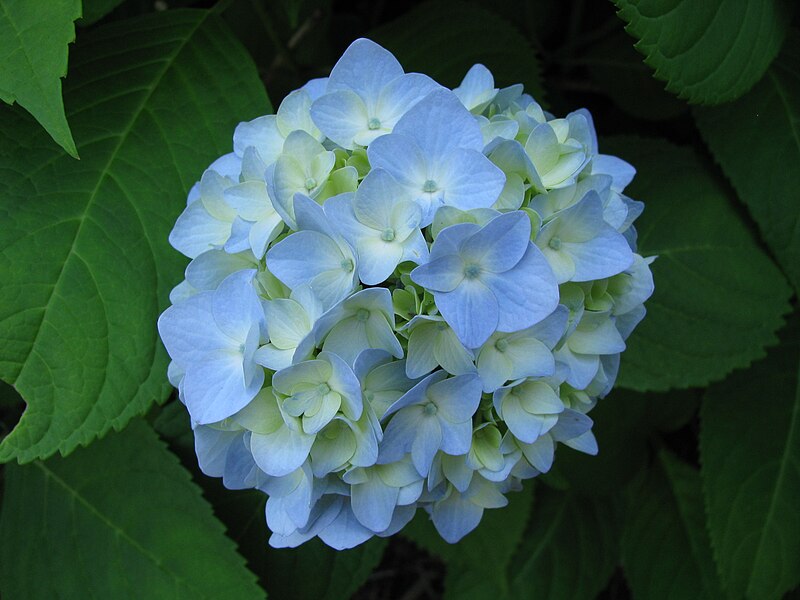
column 435, row 152
column 487, row 279
column 212, row 337
column 367, row 93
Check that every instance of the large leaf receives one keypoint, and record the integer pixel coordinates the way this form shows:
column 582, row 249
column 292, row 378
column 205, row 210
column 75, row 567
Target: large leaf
column 623, row 424
column 121, row 519
column 719, row 298
column 84, row 260
column 750, row 455
column 761, row 152
column 666, row 551
column 94, row 10
column 33, row 55
column 570, row 548
column 617, row 69
column 445, row 38
column 316, row 571
column 477, row 566
column 708, row 51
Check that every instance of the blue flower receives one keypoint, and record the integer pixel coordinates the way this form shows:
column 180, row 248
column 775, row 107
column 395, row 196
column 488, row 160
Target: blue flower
column 459, row 513
column 213, row 337
column 581, row 246
column 361, row 322
column 317, row 256
column 318, row 390
column 434, row 415
column 435, row 152
column 382, row 223
column 367, row 93
column 487, row 279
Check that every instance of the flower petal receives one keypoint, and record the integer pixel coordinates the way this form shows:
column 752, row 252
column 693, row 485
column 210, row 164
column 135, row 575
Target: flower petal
column 281, row 452
column 373, row 503
column 500, row 244
column 341, row 116
column 525, row 294
column 443, row 274
column 440, row 123
column 472, row 310
column 365, row 67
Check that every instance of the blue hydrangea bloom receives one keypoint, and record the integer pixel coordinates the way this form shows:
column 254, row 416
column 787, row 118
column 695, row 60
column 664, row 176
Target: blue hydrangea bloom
column 400, row 298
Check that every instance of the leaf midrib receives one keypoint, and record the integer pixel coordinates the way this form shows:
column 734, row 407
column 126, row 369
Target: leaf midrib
column 104, row 173
column 778, row 484
column 119, row 531
column 544, row 542
column 698, row 562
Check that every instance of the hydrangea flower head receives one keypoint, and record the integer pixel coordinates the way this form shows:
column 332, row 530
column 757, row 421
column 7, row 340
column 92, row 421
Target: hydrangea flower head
column 401, row 298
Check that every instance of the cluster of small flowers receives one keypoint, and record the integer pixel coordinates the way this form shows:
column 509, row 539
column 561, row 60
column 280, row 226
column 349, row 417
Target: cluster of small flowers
column 400, row 296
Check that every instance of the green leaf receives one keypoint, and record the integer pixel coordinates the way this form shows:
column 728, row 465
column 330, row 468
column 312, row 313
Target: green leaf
column 94, row 10
column 84, row 259
column 570, row 548
column 487, row 550
column 445, row 38
column 759, row 154
column 624, row 423
column 718, row 298
column 618, row 71
column 666, row 550
column 121, row 519
column 316, row 571
column 621, row 429
column 750, row 456
column 708, row 51
column 33, row 52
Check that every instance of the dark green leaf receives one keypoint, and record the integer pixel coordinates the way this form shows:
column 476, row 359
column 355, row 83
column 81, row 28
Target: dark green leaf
column 487, row 550
column 719, row 298
column 94, row 10
column 618, row 71
column 121, row 519
column 666, row 551
column 444, row 39
column 750, row 456
column 761, row 152
column 316, row 571
column 708, row 51
column 33, row 55
column 9, row 396
column 570, row 548
column 624, row 421
column 621, row 428
column 84, row 259
column 174, row 425
column 672, row 410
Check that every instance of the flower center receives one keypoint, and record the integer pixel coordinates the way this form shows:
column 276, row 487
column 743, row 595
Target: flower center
column 471, row 271
column 310, row 183
column 555, row 243
column 362, row 315
column 501, row 345
column 373, row 124
column 323, row 389
column 429, row 186
column 387, row 235
column 430, row 409
column 347, row 265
